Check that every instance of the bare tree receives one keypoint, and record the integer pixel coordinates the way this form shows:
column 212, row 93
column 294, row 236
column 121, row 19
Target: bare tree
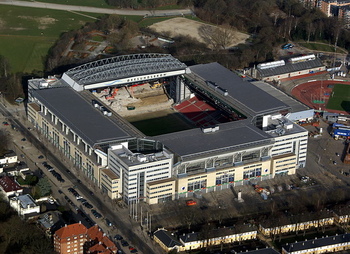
column 217, row 37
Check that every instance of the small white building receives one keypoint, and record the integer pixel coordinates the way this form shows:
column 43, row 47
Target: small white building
column 8, row 158
column 24, row 205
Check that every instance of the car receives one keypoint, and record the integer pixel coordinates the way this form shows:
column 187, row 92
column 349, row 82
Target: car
column 87, row 205
column 60, row 192
column 41, row 157
column 51, row 201
column 82, row 200
column 109, row 223
column 23, row 139
column 131, row 248
column 133, row 251
column 337, row 154
column 118, row 237
column 334, row 162
column 96, row 214
column 91, row 193
column 124, row 243
column 5, row 123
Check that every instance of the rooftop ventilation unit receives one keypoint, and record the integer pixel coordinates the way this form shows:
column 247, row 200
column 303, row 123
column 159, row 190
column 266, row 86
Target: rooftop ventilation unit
column 269, row 65
column 210, row 129
column 302, row 58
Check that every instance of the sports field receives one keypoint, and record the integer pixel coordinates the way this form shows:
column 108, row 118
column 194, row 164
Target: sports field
column 160, row 122
column 340, row 98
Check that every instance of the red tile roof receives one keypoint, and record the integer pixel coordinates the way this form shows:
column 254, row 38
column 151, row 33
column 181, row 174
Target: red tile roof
column 8, row 185
column 71, row 230
column 94, row 234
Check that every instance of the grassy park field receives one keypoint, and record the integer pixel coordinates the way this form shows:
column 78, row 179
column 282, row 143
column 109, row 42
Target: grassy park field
column 26, row 36
column 340, row 98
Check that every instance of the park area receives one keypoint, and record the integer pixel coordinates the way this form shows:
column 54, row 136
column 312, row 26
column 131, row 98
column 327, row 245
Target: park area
column 26, row 36
column 340, row 98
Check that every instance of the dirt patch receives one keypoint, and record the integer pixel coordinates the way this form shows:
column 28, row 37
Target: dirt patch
column 42, row 21
column 2, row 24
column 187, row 27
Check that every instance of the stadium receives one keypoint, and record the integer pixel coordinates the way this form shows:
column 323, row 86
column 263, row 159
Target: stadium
column 148, row 128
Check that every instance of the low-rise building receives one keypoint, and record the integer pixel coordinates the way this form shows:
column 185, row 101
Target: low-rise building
column 25, row 205
column 296, row 223
column 9, row 187
column 282, row 69
column 322, row 245
column 167, row 240
column 198, row 240
column 8, row 158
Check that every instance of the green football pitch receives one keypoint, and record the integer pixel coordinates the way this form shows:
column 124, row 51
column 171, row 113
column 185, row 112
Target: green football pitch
column 340, row 98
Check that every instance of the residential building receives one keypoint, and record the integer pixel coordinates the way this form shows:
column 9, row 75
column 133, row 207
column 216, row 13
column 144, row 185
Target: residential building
column 25, row 205
column 330, row 244
column 9, row 187
column 77, row 239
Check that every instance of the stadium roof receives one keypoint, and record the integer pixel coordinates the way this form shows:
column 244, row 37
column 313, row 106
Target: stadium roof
column 125, row 66
column 294, row 104
column 242, row 95
column 81, row 117
column 230, row 136
column 290, row 67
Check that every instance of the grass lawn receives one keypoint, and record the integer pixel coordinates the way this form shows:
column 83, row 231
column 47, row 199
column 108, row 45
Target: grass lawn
column 27, row 34
column 320, row 47
column 340, row 98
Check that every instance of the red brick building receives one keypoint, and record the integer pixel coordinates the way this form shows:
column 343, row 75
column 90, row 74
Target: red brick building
column 77, row 239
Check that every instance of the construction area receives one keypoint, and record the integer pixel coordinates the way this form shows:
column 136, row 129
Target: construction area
column 136, row 99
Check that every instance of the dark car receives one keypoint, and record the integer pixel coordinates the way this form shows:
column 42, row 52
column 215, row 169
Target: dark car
column 41, row 157
column 88, row 205
column 118, row 237
column 60, row 192
column 124, row 243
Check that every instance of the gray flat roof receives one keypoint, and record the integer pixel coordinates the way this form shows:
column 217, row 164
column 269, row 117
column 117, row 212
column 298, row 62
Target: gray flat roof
column 247, row 95
column 26, row 200
column 81, row 117
column 294, row 104
column 289, row 68
column 232, row 135
column 317, row 243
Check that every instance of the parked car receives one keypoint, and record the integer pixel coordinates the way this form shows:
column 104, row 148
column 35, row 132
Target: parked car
column 109, row 223
column 88, row 205
column 124, row 243
column 118, row 237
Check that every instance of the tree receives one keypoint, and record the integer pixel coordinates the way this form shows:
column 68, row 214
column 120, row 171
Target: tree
column 44, row 186
column 4, row 67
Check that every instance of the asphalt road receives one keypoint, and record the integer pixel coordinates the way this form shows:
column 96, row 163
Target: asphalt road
column 63, row 7
column 124, row 226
